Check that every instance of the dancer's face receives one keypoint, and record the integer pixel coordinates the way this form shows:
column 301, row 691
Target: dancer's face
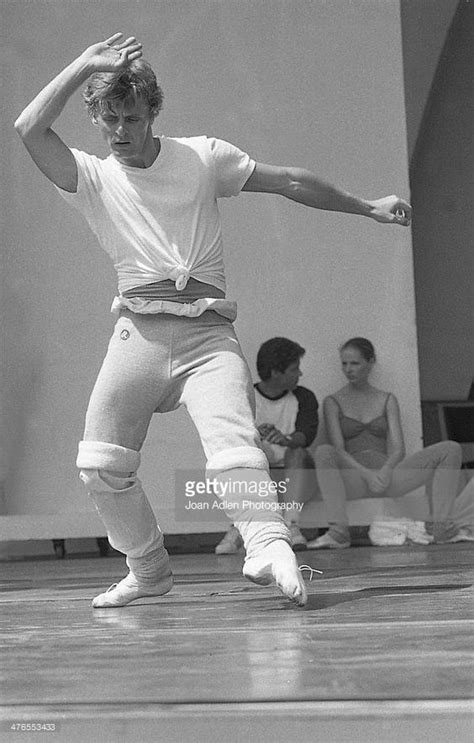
column 126, row 127
column 354, row 366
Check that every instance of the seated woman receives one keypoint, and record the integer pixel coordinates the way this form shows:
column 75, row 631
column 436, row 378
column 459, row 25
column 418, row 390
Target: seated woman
column 366, row 455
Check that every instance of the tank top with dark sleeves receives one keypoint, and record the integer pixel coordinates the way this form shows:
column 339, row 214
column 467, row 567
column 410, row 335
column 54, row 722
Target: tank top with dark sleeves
column 366, row 442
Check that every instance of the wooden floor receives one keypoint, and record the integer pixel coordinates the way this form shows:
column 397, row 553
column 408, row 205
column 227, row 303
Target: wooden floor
column 382, row 652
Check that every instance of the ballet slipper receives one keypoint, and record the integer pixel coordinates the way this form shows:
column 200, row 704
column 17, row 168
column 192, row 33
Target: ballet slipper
column 129, row 589
column 276, row 563
column 149, row 575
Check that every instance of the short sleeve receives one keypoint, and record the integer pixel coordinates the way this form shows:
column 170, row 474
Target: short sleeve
column 87, row 183
column 233, row 167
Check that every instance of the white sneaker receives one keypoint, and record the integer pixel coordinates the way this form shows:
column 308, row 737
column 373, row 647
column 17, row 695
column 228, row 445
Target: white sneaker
column 230, row 543
column 327, row 542
column 463, row 535
column 298, row 541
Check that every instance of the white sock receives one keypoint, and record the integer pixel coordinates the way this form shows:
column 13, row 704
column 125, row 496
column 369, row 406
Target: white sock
column 276, row 563
column 267, row 541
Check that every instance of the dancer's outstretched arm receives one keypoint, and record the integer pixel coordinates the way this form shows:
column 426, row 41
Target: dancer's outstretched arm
column 306, row 188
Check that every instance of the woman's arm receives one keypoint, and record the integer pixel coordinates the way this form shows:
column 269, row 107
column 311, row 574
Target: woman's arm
column 395, row 440
column 395, row 447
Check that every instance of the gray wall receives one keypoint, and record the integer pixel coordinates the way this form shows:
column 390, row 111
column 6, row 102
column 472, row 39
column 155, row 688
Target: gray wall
column 424, row 27
column 442, row 183
column 312, row 83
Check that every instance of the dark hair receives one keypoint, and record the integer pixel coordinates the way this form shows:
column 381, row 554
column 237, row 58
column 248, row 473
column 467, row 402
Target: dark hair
column 137, row 80
column 362, row 345
column 277, row 354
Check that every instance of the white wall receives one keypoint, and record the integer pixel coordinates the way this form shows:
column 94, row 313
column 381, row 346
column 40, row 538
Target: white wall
column 314, row 83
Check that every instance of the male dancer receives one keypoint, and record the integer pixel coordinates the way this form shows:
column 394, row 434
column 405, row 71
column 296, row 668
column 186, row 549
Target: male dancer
column 153, row 206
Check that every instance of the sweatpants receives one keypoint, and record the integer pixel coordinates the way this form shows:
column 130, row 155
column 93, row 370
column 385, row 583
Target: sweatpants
column 155, row 363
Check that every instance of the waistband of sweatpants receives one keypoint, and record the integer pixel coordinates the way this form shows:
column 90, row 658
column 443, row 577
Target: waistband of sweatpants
column 143, row 306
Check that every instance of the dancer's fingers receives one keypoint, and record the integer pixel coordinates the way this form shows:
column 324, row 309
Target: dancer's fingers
column 128, row 42
column 112, row 39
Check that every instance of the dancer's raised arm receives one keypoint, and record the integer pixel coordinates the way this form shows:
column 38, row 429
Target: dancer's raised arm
column 34, row 124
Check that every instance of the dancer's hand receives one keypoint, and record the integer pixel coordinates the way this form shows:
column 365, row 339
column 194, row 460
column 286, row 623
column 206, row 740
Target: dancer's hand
column 110, row 55
column 391, row 210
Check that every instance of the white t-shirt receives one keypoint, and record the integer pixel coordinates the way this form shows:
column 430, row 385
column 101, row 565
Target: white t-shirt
column 162, row 222
column 282, row 414
column 295, row 410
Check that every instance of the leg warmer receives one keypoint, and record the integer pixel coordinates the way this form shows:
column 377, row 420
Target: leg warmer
column 109, row 474
column 251, row 504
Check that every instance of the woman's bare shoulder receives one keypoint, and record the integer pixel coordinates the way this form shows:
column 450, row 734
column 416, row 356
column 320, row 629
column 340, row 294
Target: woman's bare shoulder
column 334, row 397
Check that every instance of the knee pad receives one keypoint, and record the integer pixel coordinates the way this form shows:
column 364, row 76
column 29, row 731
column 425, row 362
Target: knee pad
column 107, row 467
column 102, row 481
column 248, row 457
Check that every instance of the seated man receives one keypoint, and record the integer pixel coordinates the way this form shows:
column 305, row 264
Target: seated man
column 287, row 420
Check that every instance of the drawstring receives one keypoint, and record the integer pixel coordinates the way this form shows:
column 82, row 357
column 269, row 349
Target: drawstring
column 312, row 570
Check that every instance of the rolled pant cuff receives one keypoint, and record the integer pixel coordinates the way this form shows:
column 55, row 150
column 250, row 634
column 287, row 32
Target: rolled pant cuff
column 248, row 457
column 101, row 455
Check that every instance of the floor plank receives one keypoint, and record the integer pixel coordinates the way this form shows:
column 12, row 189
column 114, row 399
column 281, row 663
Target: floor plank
column 383, row 627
